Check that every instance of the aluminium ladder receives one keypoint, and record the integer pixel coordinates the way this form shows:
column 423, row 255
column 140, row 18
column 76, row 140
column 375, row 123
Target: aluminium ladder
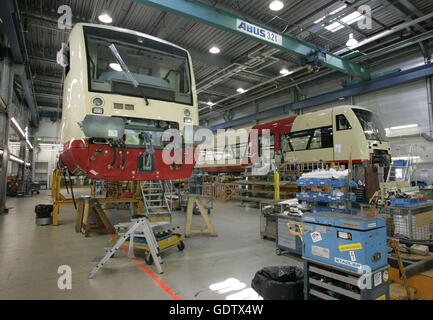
column 406, row 170
column 154, row 194
column 136, row 228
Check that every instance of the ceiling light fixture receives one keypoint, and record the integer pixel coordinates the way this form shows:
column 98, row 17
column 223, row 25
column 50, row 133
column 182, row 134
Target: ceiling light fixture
column 405, row 127
column 241, row 90
column 15, row 159
column 352, row 41
column 105, row 18
column 115, row 66
column 284, row 71
column 276, row 5
column 214, row 50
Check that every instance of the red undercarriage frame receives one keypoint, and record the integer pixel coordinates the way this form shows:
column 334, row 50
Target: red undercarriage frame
column 95, row 159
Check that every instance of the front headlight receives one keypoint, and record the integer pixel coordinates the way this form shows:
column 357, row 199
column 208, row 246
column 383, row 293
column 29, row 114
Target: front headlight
column 98, row 102
column 187, row 120
column 186, row 112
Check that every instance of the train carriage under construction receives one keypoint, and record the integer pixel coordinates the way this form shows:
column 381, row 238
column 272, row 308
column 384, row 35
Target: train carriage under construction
column 122, row 90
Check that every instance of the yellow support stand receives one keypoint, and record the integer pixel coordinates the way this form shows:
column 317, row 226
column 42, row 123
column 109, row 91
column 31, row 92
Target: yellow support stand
column 59, row 200
column 189, row 228
column 276, row 186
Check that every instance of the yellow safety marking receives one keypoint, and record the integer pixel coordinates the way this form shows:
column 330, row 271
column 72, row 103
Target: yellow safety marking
column 382, row 297
column 348, row 247
column 166, row 231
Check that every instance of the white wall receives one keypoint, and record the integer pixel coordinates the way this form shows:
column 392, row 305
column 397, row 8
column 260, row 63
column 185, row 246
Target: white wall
column 48, row 132
column 48, row 129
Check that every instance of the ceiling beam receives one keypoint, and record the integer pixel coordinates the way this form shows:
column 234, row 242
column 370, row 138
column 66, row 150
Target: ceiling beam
column 220, row 19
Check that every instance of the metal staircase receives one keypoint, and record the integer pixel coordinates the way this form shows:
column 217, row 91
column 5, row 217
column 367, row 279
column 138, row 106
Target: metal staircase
column 155, row 198
column 401, row 170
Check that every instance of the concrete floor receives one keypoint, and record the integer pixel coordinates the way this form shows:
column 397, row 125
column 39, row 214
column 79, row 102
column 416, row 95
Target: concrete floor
column 30, row 256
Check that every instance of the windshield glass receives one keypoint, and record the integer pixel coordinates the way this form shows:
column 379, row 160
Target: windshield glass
column 143, row 67
column 371, row 125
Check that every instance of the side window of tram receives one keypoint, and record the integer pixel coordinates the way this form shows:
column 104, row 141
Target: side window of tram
column 319, row 138
column 270, row 146
column 342, row 123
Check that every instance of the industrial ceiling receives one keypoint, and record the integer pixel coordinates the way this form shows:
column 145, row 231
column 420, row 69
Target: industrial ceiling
column 242, row 62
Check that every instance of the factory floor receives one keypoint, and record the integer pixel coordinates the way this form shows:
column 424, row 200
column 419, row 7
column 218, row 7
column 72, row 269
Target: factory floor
column 214, row 268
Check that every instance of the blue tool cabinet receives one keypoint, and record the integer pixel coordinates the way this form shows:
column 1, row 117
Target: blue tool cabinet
column 350, row 242
column 285, row 240
column 338, row 250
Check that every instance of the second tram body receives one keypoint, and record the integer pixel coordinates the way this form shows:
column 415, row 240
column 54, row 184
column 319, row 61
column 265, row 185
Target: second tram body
column 228, row 154
column 338, row 134
column 122, row 90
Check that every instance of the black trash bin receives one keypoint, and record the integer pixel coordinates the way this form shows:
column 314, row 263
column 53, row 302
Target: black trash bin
column 44, row 214
column 279, row 283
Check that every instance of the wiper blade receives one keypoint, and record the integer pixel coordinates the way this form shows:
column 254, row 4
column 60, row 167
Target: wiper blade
column 125, row 68
column 123, row 65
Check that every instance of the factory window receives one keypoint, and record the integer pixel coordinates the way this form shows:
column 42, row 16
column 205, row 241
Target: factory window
column 327, row 137
column 299, row 140
column 342, row 123
column 267, row 145
column 318, row 138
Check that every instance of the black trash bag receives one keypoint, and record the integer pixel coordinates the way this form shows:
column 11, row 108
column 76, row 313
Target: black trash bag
column 43, row 210
column 279, row 283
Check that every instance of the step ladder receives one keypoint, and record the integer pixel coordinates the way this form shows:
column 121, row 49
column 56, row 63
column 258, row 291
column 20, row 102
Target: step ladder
column 155, row 197
column 400, row 173
column 138, row 228
column 142, row 228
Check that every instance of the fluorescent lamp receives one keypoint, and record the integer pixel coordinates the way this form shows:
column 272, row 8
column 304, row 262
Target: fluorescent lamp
column 17, row 126
column 1, row 152
column 105, row 18
column 15, row 159
column 214, row 50
column 338, row 10
column 276, row 5
column 320, row 20
column 284, row 71
column 406, row 158
column 334, row 27
column 115, row 66
column 408, row 126
column 352, row 18
column 352, row 41
column 29, row 144
column 241, row 90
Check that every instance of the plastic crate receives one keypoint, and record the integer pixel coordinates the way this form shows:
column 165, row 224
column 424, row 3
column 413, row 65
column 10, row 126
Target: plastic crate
column 333, row 210
column 323, row 197
column 405, row 202
column 400, row 163
column 320, row 182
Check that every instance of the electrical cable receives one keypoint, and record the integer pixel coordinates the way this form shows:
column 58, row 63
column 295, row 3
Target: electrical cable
column 113, row 145
column 72, row 191
column 123, row 146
